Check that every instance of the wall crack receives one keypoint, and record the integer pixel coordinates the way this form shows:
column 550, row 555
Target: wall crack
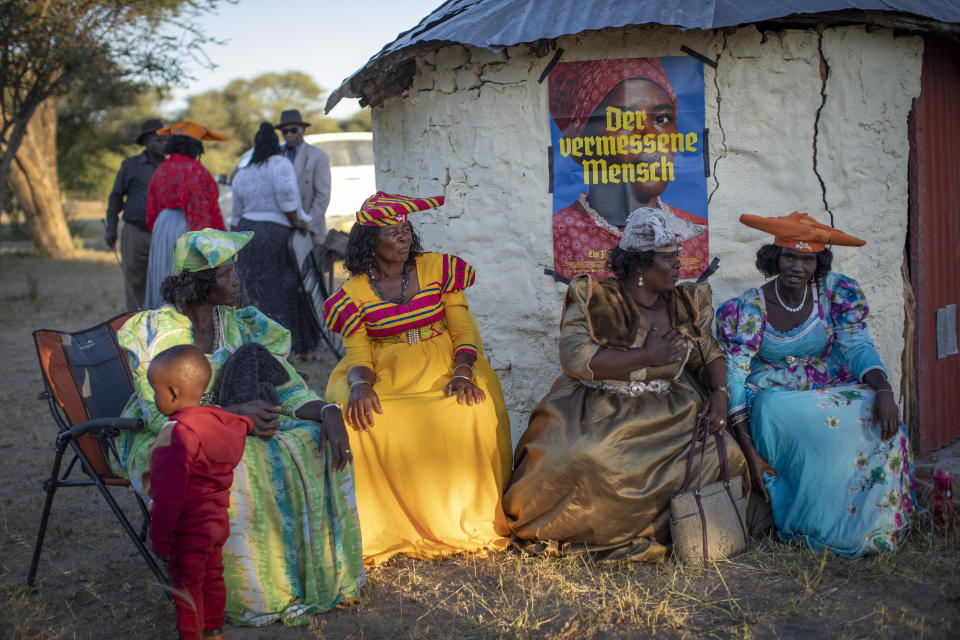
column 723, row 134
column 824, row 75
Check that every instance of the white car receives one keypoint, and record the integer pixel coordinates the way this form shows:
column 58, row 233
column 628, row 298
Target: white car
column 352, row 177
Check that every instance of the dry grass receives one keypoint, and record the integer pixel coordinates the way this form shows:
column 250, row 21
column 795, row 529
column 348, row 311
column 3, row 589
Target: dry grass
column 94, row 585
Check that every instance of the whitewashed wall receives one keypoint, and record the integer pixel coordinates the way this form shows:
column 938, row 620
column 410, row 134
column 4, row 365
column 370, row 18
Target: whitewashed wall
column 474, row 127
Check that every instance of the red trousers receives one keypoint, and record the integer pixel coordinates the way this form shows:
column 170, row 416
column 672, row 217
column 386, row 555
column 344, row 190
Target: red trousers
column 196, row 569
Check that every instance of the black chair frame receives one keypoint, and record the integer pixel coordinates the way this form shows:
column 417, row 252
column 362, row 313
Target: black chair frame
column 92, row 445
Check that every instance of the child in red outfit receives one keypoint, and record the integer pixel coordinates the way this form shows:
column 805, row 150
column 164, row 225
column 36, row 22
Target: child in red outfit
column 191, row 470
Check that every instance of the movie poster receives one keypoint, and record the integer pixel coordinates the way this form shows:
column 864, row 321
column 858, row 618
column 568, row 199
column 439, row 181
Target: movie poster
column 626, row 133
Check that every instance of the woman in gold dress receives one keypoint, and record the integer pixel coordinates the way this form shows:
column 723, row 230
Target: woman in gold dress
column 431, row 435
column 606, row 449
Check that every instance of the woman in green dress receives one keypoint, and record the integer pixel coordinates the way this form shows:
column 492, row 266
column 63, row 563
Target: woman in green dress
column 294, row 546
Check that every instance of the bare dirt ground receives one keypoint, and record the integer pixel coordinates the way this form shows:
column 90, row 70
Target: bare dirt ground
column 92, row 583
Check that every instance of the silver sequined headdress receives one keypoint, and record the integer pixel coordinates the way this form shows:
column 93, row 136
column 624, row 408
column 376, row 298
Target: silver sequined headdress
column 650, row 229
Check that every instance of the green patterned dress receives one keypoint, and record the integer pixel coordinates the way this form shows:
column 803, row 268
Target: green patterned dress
column 294, row 546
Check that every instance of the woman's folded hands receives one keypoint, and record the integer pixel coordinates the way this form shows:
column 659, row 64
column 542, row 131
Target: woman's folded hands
column 265, row 416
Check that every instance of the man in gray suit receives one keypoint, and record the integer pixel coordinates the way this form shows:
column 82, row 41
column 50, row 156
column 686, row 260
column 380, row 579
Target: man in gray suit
column 312, row 166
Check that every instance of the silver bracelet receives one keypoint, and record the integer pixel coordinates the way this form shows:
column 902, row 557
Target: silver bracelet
column 463, row 378
column 473, row 374
column 353, row 384
column 328, row 405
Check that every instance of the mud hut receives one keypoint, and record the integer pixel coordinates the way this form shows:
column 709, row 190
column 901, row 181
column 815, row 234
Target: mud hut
column 845, row 110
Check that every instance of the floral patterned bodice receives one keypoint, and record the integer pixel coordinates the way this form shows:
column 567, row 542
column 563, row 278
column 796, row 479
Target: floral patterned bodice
column 833, row 348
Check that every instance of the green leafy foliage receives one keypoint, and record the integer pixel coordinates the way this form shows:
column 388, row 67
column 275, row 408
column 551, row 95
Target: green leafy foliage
column 99, row 121
column 97, row 127
column 54, row 47
column 238, row 109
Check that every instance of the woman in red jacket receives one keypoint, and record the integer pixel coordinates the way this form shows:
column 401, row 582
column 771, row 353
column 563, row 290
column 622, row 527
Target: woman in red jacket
column 182, row 197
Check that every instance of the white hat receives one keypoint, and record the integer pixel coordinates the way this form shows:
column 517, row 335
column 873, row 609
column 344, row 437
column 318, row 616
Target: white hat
column 650, row 229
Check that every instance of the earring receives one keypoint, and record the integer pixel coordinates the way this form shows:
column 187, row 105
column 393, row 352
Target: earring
column 640, row 280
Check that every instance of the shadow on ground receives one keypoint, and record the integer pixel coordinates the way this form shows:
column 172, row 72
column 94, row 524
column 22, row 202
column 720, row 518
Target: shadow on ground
column 94, row 585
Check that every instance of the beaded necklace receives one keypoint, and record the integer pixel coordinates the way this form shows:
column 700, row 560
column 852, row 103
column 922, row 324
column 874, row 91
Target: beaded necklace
column 803, row 300
column 403, row 286
column 654, row 306
column 210, row 397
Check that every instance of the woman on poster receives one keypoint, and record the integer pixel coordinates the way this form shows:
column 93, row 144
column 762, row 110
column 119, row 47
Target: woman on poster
column 580, row 94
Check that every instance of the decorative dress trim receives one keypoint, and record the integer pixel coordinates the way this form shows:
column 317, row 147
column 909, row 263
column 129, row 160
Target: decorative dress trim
column 340, row 314
column 634, row 388
column 598, row 219
column 385, row 319
column 875, row 367
column 413, row 336
column 468, row 348
column 385, row 314
column 406, row 322
column 457, row 274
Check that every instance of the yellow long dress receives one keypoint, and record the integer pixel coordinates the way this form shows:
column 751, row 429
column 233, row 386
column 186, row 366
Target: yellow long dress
column 430, row 474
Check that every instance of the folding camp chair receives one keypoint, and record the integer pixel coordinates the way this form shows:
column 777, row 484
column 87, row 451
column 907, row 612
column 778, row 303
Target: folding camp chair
column 315, row 267
column 87, row 383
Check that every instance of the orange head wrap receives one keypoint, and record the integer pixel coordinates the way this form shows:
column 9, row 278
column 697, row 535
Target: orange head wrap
column 192, row 129
column 800, row 232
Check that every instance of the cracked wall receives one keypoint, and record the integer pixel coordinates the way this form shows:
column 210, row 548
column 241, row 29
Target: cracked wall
column 799, row 120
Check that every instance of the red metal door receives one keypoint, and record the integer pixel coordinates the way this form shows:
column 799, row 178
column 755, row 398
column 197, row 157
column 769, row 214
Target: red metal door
column 935, row 240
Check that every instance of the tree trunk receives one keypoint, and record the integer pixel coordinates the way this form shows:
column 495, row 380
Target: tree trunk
column 33, row 174
column 12, row 138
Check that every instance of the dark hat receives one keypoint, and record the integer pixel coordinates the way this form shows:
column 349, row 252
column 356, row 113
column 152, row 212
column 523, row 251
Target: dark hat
column 291, row 116
column 150, row 126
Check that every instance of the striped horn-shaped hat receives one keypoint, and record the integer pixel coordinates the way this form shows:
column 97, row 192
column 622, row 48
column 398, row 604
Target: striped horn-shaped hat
column 384, row 209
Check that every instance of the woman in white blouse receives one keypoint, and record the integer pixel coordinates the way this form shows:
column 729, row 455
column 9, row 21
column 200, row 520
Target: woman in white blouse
column 266, row 201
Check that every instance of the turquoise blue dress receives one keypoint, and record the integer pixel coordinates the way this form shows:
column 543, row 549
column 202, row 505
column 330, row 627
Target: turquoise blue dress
column 840, row 487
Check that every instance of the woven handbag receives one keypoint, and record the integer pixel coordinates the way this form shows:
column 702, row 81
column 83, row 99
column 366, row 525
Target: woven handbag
column 707, row 522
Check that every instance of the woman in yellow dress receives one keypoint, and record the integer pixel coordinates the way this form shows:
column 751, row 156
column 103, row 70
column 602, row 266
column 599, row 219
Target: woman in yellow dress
column 431, row 435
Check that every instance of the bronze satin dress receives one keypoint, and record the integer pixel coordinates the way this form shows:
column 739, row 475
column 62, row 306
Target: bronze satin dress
column 596, row 468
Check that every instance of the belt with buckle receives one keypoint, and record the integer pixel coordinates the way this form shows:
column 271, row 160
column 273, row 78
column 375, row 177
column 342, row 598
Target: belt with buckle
column 415, row 335
column 797, row 361
column 634, row 388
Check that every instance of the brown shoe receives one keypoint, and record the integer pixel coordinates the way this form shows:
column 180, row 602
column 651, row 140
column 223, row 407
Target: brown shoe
column 216, row 634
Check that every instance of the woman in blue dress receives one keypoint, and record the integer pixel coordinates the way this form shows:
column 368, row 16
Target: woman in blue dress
column 809, row 398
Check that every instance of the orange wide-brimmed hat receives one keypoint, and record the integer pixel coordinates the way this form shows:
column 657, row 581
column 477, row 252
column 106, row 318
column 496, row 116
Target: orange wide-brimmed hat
column 800, row 232
column 192, row 129
column 384, row 209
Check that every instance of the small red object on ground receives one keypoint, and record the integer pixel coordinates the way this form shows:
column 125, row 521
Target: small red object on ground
column 942, row 501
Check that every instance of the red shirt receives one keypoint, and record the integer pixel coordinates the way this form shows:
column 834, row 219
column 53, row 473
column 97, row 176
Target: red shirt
column 191, row 466
column 183, row 183
column 581, row 245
